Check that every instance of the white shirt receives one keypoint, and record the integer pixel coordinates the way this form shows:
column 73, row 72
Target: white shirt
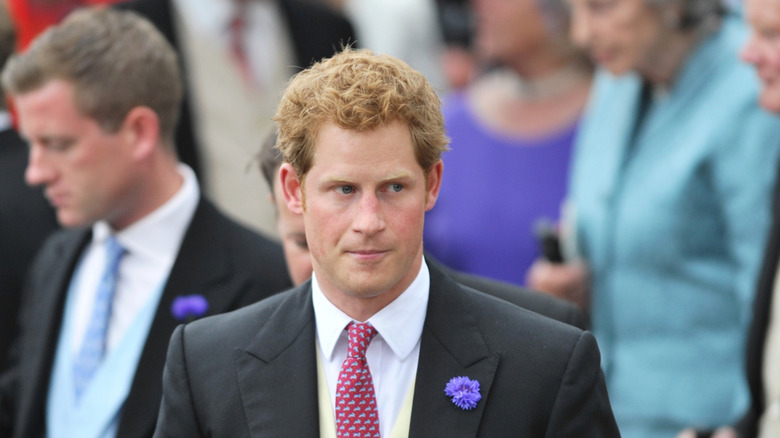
column 392, row 355
column 769, row 422
column 230, row 116
column 264, row 31
column 151, row 246
column 5, row 120
column 405, row 29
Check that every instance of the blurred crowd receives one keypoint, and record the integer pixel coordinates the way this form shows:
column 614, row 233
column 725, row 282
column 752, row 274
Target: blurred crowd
column 619, row 155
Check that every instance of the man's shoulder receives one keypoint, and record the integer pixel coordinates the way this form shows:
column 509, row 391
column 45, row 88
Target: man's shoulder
column 503, row 326
column 211, row 223
column 249, row 320
column 60, row 241
column 515, row 319
column 214, row 239
column 534, row 301
column 534, row 351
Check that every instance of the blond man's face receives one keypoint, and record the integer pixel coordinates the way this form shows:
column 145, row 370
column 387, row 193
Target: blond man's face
column 365, row 203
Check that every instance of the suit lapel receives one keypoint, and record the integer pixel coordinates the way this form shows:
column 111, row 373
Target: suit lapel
column 43, row 318
column 277, row 372
column 451, row 346
column 192, row 273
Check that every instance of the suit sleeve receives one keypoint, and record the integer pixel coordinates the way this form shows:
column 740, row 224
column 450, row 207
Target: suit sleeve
column 177, row 416
column 575, row 318
column 8, row 390
column 7, row 383
column 582, row 406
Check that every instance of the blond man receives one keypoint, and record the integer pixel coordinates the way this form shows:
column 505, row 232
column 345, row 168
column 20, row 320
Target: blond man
column 378, row 342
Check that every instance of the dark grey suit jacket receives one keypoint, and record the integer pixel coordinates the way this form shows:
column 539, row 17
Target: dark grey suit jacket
column 252, row 373
column 219, row 259
column 534, row 301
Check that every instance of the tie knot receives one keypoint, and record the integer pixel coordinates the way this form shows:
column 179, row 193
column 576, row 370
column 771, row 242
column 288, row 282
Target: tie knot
column 360, row 335
column 114, row 250
column 238, row 19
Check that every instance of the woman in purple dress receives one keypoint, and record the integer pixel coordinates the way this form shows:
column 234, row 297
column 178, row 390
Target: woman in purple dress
column 512, row 132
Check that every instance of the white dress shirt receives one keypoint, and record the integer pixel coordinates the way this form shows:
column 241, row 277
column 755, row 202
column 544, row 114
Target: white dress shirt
column 229, row 115
column 264, row 29
column 392, row 355
column 769, row 422
column 405, row 29
column 151, row 246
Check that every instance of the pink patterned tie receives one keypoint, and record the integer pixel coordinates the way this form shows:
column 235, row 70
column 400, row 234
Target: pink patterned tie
column 356, row 412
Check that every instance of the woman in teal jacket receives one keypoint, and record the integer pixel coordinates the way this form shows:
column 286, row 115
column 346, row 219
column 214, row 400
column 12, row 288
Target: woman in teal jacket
column 670, row 194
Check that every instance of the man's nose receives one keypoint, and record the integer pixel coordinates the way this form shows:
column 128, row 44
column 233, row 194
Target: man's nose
column 38, row 171
column 369, row 219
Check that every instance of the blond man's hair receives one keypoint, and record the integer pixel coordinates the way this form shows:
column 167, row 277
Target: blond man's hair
column 115, row 60
column 358, row 90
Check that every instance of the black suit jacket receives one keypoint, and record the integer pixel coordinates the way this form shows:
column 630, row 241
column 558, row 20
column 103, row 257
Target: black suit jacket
column 748, row 426
column 226, row 263
column 252, row 372
column 317, row 32
column 541, row 303
column 26, row 219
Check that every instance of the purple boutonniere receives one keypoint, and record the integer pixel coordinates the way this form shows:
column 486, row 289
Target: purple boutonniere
column 188, row 308
column 464, row 392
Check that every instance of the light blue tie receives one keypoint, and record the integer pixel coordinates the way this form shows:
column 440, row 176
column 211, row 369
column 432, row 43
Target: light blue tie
column 93, row 346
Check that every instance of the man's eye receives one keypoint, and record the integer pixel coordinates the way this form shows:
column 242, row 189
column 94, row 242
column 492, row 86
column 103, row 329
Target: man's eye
column 346, row 190
column 601, row 5
column 770, row 35
column 396, row 187
column 58, row 146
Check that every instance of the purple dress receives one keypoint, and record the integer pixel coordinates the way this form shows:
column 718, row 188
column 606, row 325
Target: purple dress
column 493, row 191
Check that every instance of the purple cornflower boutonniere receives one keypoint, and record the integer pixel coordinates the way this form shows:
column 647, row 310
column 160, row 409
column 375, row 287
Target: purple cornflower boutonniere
column 188, row 308
column 464, row 392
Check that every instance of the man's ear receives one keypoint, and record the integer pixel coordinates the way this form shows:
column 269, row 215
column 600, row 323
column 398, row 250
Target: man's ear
column 433, row 184
column 141, row 130
column 292, row 188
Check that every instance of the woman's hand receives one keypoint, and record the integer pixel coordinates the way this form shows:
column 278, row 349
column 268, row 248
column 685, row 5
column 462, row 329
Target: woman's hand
column 569, row 281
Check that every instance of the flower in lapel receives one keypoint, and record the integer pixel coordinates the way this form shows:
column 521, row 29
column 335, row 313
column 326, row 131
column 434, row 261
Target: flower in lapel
column 464, row 392
column 187, row 308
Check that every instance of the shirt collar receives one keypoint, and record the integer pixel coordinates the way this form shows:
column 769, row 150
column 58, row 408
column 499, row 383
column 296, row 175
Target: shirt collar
column 399, row 324
column 5, row 120
column 158, row 235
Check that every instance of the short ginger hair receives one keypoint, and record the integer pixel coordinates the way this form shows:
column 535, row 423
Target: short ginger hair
column 358, row 90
